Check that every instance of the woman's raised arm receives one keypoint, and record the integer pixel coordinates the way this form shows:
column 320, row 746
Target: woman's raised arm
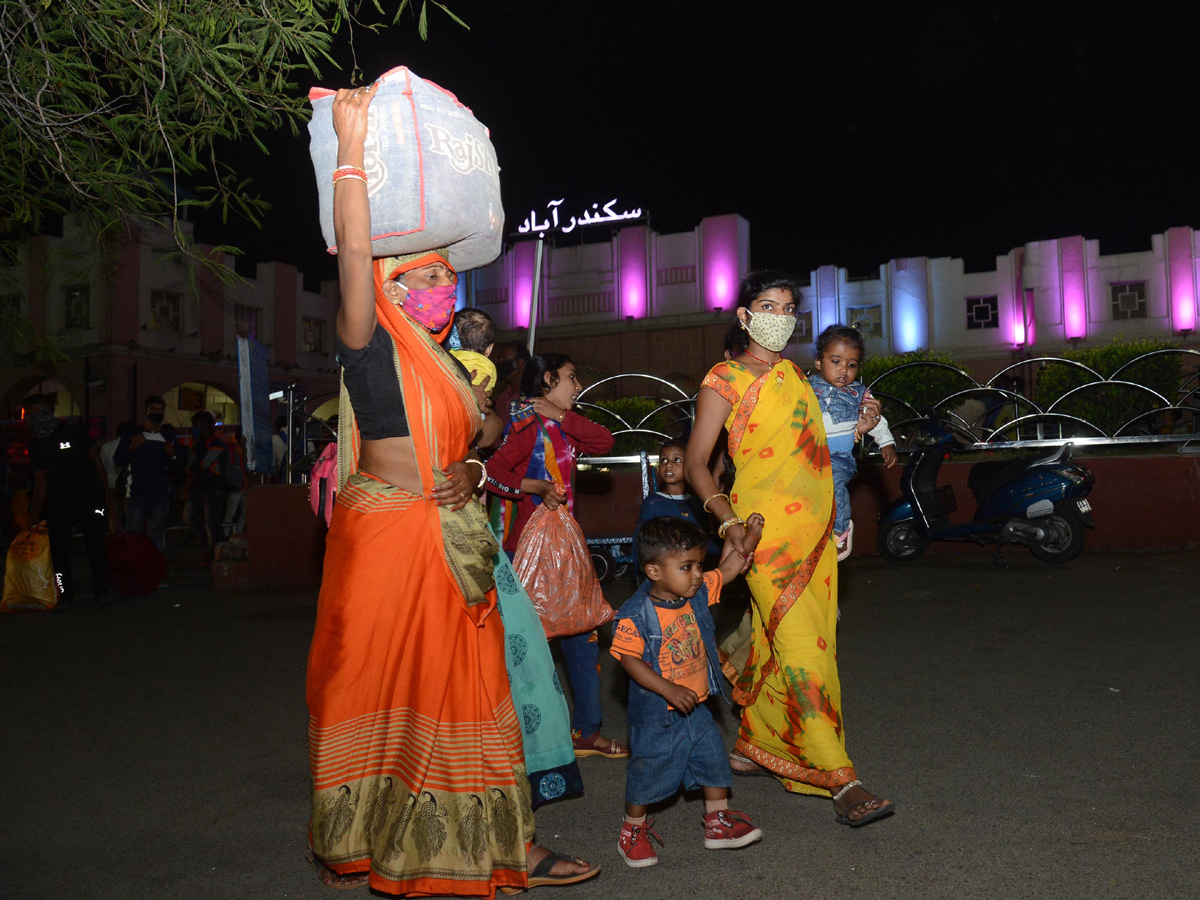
column 352, row 221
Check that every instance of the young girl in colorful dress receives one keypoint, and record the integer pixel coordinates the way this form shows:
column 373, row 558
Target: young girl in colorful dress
column 535, row 465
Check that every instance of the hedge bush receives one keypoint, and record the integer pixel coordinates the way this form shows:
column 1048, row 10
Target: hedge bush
column 919, row 387
column 633, row 409
column 1111, row 406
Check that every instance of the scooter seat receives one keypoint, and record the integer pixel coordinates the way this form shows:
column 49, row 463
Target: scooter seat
column 986, row 478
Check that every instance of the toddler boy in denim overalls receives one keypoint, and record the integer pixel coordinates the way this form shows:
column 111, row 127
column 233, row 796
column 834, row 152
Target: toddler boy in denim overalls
column 665, row 640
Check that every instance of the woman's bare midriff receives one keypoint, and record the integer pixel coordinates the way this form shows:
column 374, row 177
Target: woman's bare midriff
column 392, row 460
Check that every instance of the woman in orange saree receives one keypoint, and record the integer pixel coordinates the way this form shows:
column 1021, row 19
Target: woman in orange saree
column 788, row 683
column 418, row 775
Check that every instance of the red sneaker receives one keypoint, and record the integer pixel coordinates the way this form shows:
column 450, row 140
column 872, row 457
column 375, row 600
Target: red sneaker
column 634, row 844
column 726, row 829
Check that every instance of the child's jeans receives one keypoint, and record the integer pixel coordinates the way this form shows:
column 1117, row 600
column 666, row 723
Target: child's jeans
column 844, row 468
column 688, row 752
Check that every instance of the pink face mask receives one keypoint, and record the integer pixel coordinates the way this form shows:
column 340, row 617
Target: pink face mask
column 431, row 307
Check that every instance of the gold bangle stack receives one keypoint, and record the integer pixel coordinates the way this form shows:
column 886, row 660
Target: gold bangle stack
column 726, row 524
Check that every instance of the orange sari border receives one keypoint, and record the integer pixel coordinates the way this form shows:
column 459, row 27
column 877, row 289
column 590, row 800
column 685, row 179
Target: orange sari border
column 792, row 771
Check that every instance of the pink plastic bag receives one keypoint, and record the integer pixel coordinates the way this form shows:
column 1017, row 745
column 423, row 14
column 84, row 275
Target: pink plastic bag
column 555, row 567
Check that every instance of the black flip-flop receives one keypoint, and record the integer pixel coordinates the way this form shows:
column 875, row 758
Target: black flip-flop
column 882, row 813
column 541, row 877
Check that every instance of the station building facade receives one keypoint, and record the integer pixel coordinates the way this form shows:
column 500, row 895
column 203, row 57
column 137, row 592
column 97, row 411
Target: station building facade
column 135, row 319
column 662, row 304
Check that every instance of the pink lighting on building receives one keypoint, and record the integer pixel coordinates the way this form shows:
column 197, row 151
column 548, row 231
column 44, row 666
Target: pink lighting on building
column 1074, row 287
column 635, row 273
column 721, row 260
column 1018, row 328
column 1181, row 279
column 522, row 263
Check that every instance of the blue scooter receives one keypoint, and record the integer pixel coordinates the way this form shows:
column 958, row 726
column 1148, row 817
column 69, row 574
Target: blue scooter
column 1036, row 500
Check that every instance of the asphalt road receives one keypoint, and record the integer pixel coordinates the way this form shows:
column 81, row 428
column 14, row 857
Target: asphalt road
column 1036, row 727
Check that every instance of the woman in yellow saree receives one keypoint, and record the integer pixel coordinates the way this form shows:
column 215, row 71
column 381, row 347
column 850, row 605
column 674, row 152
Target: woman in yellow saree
column 787, row 682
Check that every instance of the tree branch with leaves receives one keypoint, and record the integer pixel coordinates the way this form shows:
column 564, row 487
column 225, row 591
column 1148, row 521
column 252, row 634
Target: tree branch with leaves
column 116, row 108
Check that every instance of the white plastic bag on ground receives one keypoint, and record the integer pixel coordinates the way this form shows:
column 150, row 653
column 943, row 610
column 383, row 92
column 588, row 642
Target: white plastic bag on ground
column 431, row 169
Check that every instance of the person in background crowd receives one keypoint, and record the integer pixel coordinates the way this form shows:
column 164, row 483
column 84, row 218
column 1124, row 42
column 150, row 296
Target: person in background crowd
column 510, row 359
column 68, row 490
column 205, row 510
column 111, row 470
column 149, row 453
column 235, row 502
column 118, row 487
column 279, row 447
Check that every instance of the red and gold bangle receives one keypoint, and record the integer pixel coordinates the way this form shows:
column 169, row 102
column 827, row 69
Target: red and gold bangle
column 355, row 172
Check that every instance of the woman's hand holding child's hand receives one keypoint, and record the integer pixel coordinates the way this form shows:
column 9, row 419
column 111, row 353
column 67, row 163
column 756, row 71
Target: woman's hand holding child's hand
column 738, row 553
column 754, row 530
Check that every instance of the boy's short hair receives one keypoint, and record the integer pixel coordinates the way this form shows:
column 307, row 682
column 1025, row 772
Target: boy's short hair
column 476, row 329
column 153, row 400
column 667, row 534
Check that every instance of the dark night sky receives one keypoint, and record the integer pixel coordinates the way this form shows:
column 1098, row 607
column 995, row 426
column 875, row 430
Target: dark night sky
column 847, row 136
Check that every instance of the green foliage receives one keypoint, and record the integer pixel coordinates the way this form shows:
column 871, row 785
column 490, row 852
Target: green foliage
column 920, row 387
column 17, row 335
column 633, row 410
column 1111, row 406
column 116, row 108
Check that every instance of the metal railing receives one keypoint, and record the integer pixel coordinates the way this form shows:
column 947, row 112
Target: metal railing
column 1031, row 425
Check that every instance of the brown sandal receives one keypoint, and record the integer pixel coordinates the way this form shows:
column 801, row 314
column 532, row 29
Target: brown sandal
column 595, row 745
column 332, row 879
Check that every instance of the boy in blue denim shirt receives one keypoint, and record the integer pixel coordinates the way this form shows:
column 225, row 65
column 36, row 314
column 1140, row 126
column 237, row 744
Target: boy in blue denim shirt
column 848, row 410
column 665, row 640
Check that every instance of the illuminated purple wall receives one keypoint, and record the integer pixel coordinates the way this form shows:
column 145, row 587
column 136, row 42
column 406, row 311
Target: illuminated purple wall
column 1072, row 267
column 722, row 267
column 1021, row 333
column 635, row 272
column 1181, row 278
column 522, row 268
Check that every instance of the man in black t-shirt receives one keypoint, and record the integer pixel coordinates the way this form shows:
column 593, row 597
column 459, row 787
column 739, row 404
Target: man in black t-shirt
column 150, row 455
column 68, row 490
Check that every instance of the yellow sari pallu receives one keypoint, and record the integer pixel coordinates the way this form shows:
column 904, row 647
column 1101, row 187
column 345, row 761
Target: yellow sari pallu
column 415, row 747
column 788, row 685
